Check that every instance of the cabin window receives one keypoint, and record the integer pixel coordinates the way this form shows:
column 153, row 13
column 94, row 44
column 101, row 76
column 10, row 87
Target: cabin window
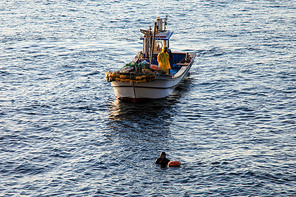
column 159, row 44
column 166, row 43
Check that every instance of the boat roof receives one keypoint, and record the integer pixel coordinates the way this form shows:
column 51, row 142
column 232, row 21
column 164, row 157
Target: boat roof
column 163, row 35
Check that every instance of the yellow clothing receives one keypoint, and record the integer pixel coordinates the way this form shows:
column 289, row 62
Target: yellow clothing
column 163, row 61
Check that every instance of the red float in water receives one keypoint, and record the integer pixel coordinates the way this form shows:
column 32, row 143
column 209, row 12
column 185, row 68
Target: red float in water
column 174, row 164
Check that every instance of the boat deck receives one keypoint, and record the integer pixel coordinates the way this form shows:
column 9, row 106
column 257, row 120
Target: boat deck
column 177, row 61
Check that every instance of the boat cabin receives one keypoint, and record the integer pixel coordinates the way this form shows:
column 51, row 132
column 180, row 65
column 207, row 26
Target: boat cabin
column 154, row 41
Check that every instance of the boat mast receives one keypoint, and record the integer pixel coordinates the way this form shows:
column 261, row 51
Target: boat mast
column 153, row 41
column 149, row 39
column 165, row 22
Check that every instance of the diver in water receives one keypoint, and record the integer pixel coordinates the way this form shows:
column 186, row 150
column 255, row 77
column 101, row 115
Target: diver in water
column 163, row 161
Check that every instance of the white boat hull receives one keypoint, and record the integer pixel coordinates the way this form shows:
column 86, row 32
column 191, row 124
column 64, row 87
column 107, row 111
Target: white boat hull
column 149, row 90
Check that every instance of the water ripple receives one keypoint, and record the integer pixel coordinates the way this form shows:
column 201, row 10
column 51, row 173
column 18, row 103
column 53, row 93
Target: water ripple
column 231, row 123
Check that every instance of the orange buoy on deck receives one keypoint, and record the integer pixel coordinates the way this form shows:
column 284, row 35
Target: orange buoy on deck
column 154, row 67
column 174, row 164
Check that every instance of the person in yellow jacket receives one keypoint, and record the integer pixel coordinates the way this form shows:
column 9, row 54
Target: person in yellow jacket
column 163, row 59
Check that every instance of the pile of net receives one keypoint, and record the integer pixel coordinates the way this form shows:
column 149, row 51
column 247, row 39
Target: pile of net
column 134, row 72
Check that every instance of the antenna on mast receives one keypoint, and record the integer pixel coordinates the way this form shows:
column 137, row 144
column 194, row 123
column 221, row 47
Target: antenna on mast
column 165, row 22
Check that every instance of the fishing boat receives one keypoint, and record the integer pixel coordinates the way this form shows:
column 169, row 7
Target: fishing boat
column 142, row 79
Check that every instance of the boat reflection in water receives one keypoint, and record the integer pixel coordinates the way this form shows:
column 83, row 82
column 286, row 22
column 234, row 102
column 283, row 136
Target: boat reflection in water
column 140, row 117
column 153, row 116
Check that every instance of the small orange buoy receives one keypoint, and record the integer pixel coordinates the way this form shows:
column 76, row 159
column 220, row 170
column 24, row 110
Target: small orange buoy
column 174, row 164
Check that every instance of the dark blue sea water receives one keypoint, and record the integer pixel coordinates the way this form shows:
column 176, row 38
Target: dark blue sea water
column 232, row 123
